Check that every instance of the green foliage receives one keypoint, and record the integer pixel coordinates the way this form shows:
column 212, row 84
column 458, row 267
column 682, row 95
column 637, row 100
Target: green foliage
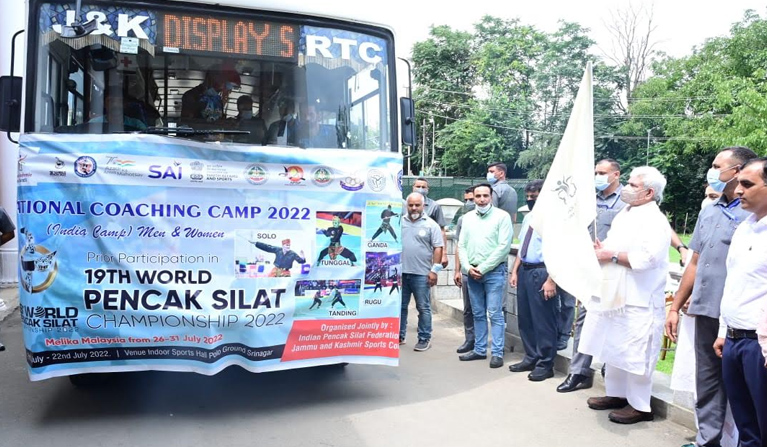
column 699, row 104
column 505, row 91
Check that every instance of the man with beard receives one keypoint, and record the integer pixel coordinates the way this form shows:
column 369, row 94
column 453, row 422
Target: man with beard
column 421, row 257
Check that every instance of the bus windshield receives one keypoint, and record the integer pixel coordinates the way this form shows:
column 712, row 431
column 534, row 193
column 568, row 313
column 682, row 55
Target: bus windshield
column 277, row 79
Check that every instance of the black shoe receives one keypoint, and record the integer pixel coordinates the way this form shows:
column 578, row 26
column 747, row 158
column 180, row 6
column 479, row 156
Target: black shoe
column 575, row 382
column 465, row 347
column 496, row 362
column 422, row 345
column 539, row 375
column 561, row 345
column 522, row 366
column 471, row 356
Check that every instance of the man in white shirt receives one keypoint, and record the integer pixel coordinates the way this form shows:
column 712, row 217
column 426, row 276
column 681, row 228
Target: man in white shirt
column 743, row 301
column 624, row 327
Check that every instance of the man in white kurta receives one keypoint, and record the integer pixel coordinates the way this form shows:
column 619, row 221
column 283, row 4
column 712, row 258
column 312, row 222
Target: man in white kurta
column 624, row 327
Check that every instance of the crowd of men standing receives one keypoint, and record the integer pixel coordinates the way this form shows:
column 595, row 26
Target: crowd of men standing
column 724, row 287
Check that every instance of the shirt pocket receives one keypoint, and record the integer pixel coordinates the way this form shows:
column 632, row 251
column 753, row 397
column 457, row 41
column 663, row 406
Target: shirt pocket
column 729, row 230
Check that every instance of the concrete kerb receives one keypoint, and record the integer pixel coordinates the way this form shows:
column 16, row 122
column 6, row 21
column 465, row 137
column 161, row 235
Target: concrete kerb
column 662, row 399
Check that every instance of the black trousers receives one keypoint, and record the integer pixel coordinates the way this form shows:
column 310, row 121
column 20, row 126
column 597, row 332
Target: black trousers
column 537, row 318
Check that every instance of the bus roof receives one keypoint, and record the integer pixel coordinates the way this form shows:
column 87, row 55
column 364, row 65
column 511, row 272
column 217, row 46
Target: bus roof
column 346, row 10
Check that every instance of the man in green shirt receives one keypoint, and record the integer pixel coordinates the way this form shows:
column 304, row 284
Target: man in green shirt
column 483, row 248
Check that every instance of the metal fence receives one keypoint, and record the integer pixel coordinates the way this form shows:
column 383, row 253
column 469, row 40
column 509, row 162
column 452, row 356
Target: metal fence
column 453, row 187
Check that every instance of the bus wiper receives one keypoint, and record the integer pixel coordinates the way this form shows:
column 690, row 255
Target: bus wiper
column 186, row 131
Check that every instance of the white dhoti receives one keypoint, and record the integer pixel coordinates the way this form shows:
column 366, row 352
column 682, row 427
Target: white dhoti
column 629, row 344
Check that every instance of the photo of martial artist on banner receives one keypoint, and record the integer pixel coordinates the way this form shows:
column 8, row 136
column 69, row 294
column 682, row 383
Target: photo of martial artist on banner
column 339, row 235
column 271, row 254
column 327, row 298
column 382, row 222
column 382, row 274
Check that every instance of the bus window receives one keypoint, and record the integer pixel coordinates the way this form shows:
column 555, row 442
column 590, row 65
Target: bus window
column 285, row 82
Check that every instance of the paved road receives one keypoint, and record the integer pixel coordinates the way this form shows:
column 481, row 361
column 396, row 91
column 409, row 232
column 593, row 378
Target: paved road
column 432, row 399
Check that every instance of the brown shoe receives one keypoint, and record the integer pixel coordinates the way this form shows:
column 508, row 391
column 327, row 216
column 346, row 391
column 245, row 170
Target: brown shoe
column 606, row 403
column 629, row 415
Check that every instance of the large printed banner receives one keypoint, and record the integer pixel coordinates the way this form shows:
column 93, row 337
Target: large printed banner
column 144, row 252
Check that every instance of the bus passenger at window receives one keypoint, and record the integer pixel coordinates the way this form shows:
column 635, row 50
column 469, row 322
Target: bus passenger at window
column 314, row 133
column 207, row 100
column 246, row 121
column 285, row 130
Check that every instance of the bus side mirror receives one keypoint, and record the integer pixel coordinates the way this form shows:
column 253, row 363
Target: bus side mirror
column 407, row 114
column 10, row 103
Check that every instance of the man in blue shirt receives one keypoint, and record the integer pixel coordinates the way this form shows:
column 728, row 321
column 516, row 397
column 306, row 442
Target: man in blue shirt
column 537, row 300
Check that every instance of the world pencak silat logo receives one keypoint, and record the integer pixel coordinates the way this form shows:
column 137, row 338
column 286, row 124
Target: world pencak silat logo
column 39, row 266
column 566, row 189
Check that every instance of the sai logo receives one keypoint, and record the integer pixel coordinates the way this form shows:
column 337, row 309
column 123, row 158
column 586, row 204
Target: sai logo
column 162, row 172
column 38, row 265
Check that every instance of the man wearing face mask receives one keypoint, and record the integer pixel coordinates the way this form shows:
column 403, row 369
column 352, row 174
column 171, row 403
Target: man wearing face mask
column 483, row 248
column 710, row 198
column 537, row 300
column 432, row 209
column 607, row 179
column 207, row 102
column 422, row 242
column 624, row 326
column 335, row 248
column 742, row 307
column 607, row 173
column 461, row 280
column 504, row 196
column 703, row 284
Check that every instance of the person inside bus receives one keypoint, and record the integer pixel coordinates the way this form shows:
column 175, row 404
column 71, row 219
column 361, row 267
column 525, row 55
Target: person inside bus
column 313, row 133
column 246, row 121
column 207, row 101
column 120, row 114
column 285, row 130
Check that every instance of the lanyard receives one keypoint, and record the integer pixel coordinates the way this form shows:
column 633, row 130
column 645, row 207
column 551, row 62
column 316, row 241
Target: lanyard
column 726, row 209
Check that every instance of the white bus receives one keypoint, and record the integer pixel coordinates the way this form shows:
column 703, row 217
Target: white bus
column 199, row 184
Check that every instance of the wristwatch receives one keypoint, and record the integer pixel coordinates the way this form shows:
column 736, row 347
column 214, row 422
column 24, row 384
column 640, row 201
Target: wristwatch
column 614, row 258
column 680, row 247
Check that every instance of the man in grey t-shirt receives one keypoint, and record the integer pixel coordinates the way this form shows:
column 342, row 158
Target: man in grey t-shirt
column 504, row 196
column 421, row 254
column 432, row 209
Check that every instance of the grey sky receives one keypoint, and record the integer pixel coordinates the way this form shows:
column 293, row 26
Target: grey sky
column 681, row 24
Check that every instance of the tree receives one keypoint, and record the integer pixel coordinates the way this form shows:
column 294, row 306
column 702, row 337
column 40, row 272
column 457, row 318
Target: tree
column 444, row 75
column 632, row 46
column 698, row 104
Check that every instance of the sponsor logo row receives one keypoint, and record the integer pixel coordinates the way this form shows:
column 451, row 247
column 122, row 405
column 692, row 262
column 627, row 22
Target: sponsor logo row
column 199, row 172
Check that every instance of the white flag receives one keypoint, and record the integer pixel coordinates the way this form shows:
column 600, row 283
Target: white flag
column 567, row 204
